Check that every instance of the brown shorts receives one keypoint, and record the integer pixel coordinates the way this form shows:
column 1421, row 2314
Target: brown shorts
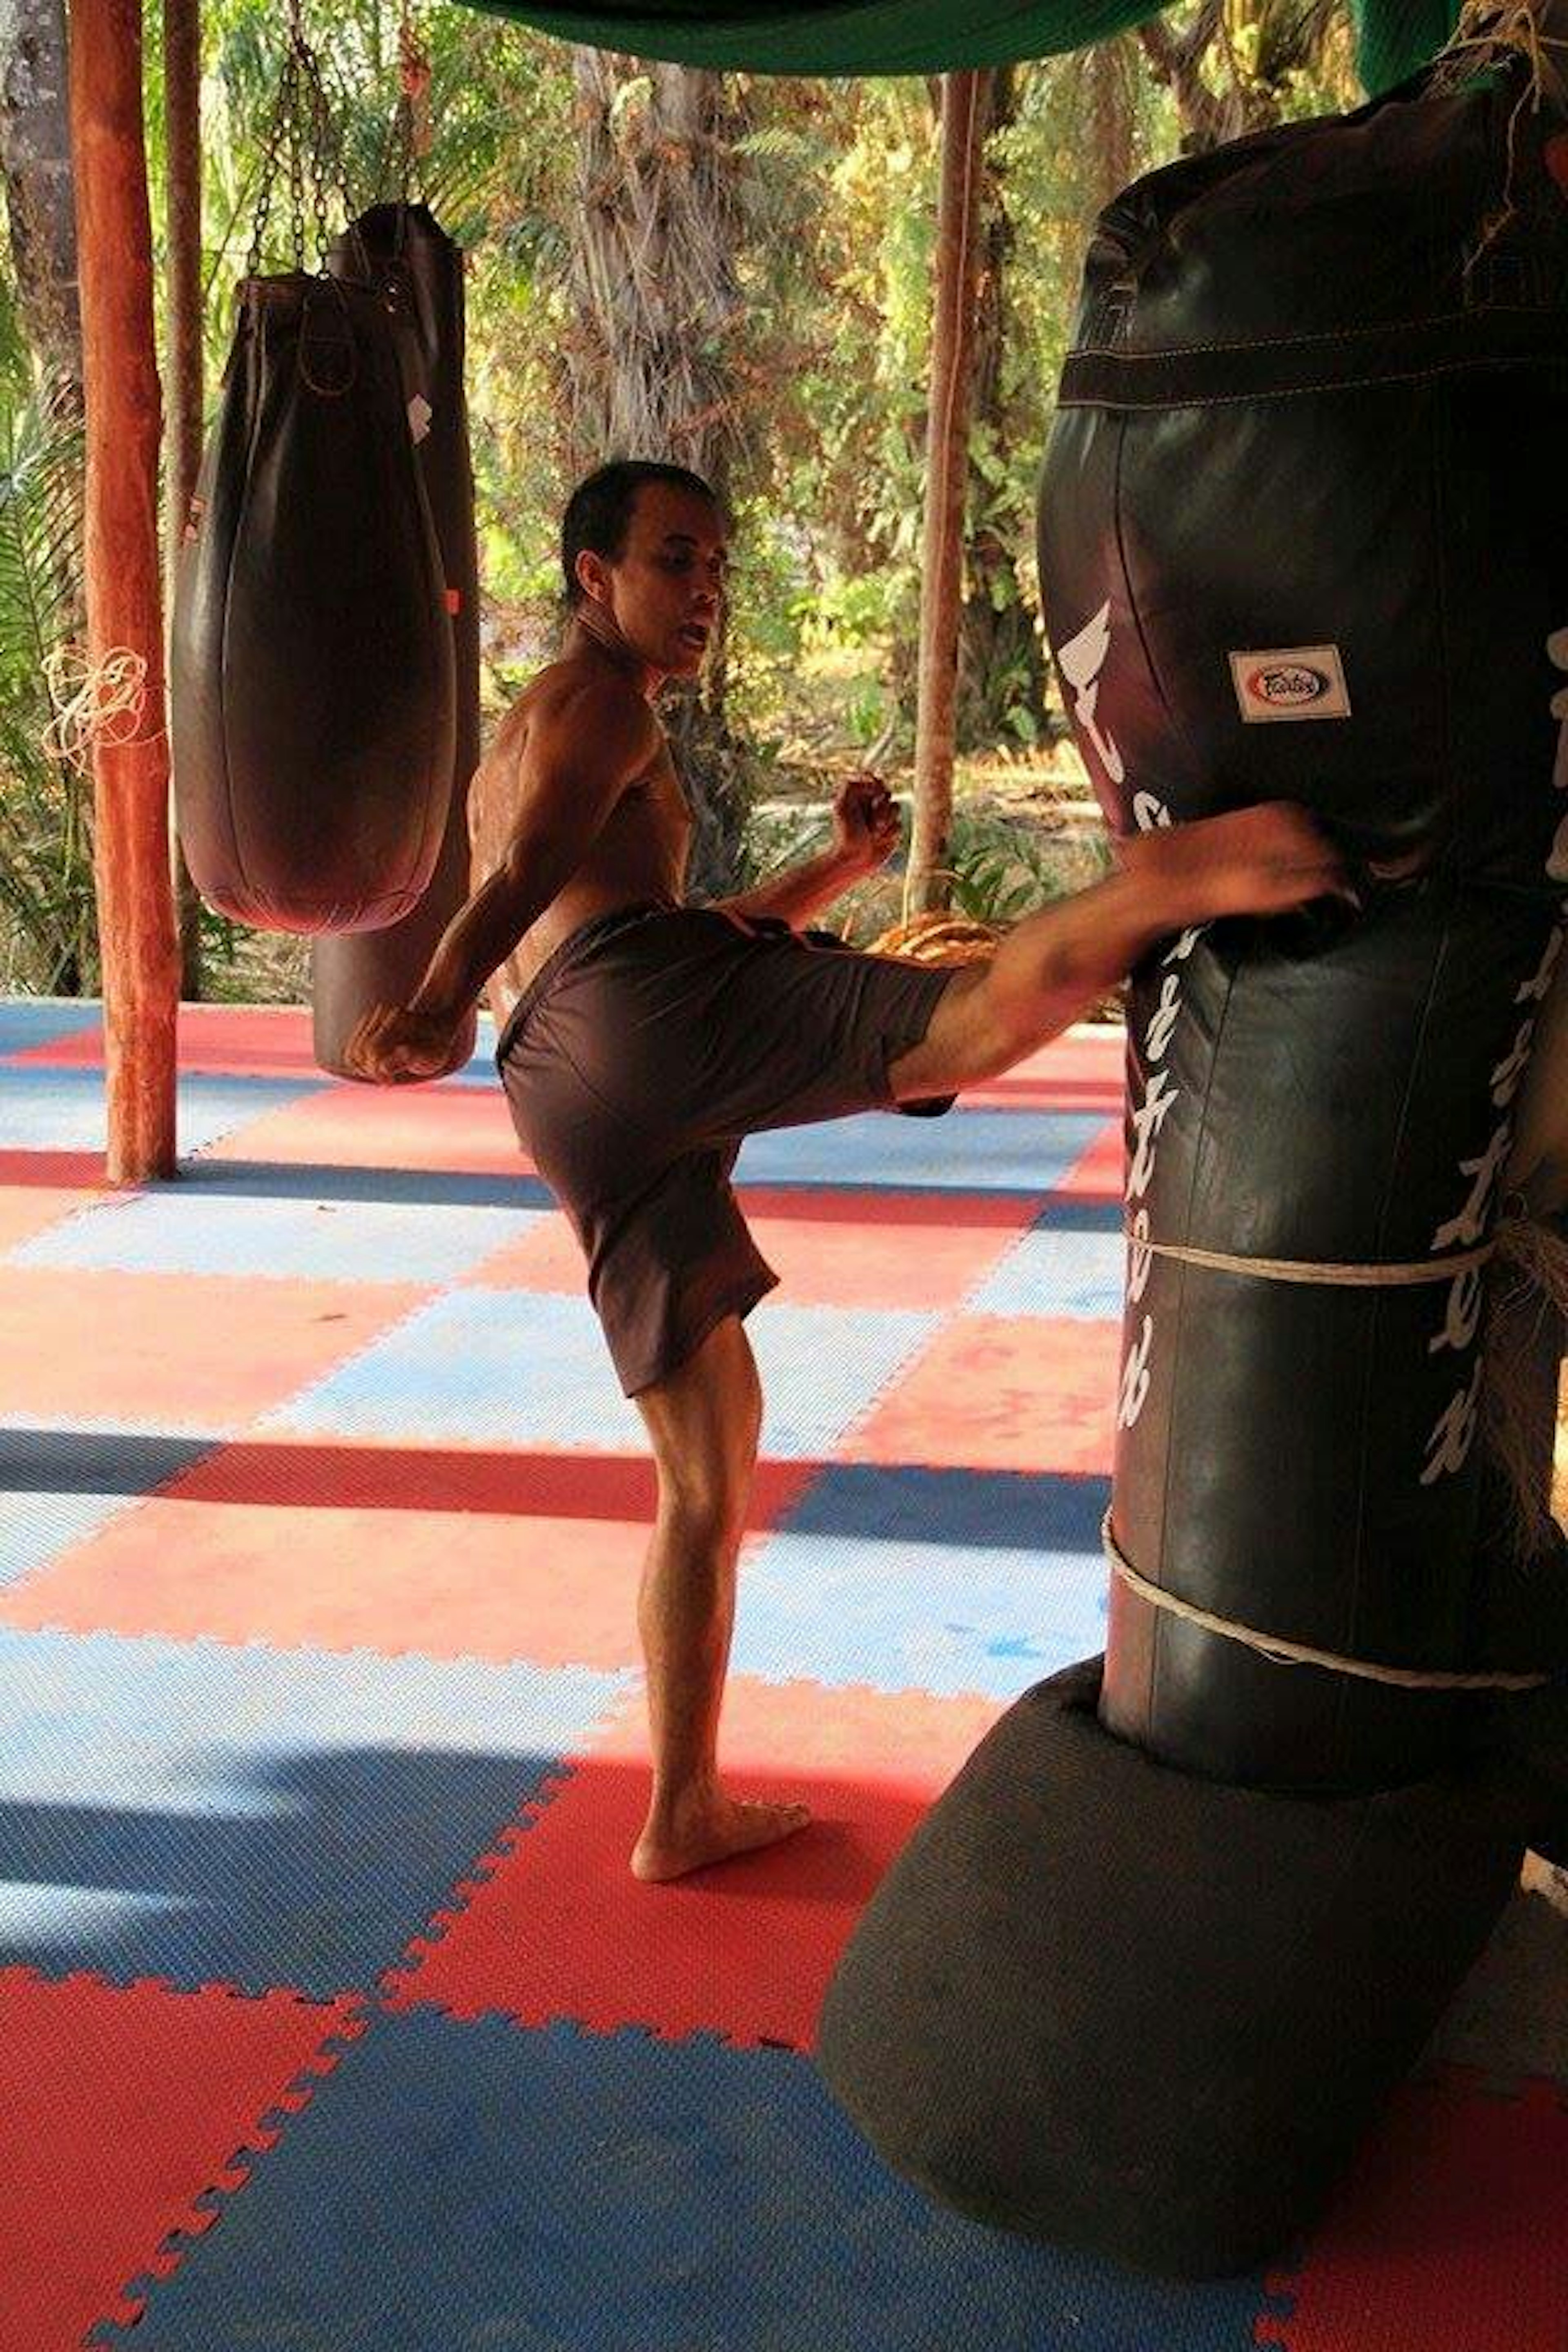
column 643, row 1053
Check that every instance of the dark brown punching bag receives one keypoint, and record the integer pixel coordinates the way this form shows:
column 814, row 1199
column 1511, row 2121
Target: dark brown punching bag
column 421, row 271
column 310, row 657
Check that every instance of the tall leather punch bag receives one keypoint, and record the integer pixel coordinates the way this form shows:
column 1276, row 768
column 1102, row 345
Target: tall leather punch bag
column 1153, row 1962
column 312, row 664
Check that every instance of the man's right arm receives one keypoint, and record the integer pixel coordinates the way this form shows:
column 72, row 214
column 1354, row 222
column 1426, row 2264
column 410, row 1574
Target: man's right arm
column 579, row 754
column 582, row 753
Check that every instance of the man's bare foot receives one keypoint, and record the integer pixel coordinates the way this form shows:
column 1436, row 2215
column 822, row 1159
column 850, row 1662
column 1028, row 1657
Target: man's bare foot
column 712, row 1830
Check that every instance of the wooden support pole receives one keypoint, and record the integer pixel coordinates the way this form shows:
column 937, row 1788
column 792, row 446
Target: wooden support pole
column 183, row 296
column 130, row 778
column 966, row 107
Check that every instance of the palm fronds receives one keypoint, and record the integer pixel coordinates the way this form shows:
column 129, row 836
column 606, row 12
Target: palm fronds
column 48, row 938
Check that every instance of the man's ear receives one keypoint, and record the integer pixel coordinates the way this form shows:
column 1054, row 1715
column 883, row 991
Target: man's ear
column 593, row 574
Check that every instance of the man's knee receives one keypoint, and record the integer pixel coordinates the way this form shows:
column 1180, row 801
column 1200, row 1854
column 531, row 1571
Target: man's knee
column 702, row 1499
column 976, row 1033
column 705, row 1423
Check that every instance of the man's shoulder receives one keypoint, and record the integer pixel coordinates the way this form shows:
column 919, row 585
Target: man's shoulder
column 578, row 692
column 579, row 719
column 581, row 678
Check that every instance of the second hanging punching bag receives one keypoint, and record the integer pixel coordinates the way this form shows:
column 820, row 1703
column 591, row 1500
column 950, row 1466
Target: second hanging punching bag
column 420, row 272
column 311, row 655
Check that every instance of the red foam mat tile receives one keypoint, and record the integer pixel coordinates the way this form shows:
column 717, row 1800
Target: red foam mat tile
column 214, row 1040
column 464, row 1128
column 149, row 1347
column 1087, row 1052
column 1001, row 1393
column 1450, row 2233
column 1081, row 1070
column 561, row 1928
column 54, row 1169
column 500, row 1555
column 545, row 1256
column 120, row 2107
column 1101, row 1173
column 882, row 1249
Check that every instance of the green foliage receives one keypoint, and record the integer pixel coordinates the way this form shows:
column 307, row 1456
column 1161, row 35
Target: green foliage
column 1001, row 868
column 46, row 914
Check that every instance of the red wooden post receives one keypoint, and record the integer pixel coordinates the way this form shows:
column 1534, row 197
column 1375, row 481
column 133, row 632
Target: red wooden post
column 135, row 904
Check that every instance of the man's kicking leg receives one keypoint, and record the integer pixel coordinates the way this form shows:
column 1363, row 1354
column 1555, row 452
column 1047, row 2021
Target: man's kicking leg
column 704, row 1421
column 1051, row 967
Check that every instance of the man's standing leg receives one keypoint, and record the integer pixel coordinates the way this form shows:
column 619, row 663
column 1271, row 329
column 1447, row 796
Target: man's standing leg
column 705, row 1420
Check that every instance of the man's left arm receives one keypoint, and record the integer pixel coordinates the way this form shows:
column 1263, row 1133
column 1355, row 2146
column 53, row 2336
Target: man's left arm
column 866, row 831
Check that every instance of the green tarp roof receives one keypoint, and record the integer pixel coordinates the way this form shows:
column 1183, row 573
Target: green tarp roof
column 918, row 36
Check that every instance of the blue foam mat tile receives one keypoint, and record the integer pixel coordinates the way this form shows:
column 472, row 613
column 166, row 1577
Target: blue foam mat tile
column 527, row 1367
column 57, row 1486
column 258, row 1817
column 472, row 2186
column 1081, row 1212
column 191, row 1228
column 943, row 1581
column 28, row 1022
column 435, row 1188
column 967, row 1151
column 45, row 1108
column 1055, row 1271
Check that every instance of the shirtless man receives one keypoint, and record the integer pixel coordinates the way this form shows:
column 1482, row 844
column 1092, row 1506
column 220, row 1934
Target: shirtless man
column 652, row 1037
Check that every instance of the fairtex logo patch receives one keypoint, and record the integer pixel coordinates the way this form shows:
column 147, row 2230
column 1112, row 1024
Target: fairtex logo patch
column 1291, row 682
column 1288, row 687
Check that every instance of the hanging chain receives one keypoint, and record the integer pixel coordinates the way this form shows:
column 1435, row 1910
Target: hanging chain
column 302, row 141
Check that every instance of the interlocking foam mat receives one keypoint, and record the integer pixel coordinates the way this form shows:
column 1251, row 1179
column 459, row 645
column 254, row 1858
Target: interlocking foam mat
column 330, row 2017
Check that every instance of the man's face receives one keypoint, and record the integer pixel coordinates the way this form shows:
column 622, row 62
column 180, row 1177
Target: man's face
column 665, row 589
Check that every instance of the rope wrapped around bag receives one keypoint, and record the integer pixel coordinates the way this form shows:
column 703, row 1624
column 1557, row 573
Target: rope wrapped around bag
column 1540, row 1260
column 1282, row 1652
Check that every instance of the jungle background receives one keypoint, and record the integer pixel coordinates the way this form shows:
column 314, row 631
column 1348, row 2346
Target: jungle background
column 731, row 270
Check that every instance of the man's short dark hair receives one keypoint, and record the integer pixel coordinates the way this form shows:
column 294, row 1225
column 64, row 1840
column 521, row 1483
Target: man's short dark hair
column 599, row 511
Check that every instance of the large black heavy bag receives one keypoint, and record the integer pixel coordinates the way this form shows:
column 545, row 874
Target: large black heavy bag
column 1126, row 2010
column 1304, row 534
column 421, row 271
column 1152, row 1962
column 311, row 654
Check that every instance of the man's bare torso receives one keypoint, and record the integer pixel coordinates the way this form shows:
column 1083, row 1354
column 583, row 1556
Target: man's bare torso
column 639, row 853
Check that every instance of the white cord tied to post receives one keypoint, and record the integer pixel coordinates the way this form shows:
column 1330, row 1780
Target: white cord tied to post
column 94, row 702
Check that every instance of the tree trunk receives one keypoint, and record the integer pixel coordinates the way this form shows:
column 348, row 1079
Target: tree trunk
column 965, row 105
column 1208, row 119
column 131, row 776
column 659, row 311
column 36, row 160
column 1112, row 98
column 1000, row 669
column 183, row 218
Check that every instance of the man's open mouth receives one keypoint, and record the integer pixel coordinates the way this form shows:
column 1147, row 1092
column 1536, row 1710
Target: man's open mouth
column 692, row 634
